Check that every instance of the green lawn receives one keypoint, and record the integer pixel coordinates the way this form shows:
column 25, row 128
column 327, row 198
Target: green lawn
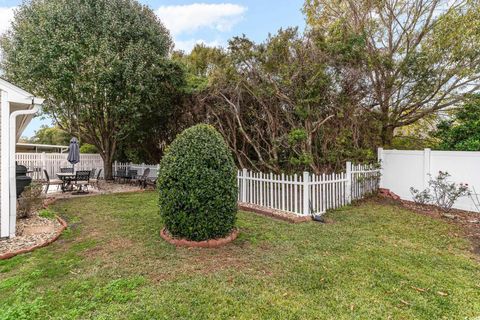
column 374, row 261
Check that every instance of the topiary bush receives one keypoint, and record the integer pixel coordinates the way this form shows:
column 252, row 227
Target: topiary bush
column 197, row 185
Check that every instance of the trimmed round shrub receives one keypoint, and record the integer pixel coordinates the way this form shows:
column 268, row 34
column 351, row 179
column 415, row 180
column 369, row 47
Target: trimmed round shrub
column 197, row 184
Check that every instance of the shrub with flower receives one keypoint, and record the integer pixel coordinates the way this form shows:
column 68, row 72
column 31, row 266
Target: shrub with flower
column 441, row 192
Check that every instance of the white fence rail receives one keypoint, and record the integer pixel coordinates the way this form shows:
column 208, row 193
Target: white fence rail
column 309, row 193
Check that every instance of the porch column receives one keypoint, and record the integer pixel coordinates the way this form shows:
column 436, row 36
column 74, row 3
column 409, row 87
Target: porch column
column 4, row 165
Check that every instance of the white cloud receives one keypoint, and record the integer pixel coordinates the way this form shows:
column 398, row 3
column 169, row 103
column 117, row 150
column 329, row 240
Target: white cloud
column 6, row 17
column 181, row 19
column 188, row 45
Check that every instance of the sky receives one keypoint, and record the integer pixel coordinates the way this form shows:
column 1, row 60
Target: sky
column 211, row 22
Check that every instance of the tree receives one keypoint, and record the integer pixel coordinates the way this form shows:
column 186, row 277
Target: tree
column 417, row 57
column 51, row 135
column 102, row 66
column 197, row 185
column 462, row 131
column 281, row 105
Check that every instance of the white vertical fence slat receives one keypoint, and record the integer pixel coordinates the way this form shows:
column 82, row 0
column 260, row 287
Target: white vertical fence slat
column 309, row 193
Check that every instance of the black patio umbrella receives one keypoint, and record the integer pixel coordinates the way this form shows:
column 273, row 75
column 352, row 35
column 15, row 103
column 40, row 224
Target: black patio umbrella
column 73, row 152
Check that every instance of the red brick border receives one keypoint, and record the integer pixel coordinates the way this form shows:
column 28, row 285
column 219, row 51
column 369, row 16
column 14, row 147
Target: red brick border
column 9, row 255
column 213, row 243
column 284, row 216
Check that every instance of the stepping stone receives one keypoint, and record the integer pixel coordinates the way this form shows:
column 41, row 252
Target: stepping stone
column 33, row 230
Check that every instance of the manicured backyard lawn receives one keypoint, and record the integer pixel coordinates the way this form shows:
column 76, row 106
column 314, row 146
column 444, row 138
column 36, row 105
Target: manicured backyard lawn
column 374, row 261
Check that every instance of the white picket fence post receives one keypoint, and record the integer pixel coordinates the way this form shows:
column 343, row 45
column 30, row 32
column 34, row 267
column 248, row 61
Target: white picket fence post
column 348, row 184
column 306, row 193
column 244, row 185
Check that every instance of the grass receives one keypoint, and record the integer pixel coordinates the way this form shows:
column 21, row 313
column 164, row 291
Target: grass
column 375, row 261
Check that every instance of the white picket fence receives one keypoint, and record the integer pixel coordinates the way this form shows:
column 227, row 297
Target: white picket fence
column 299, row 194
column 52, row 162
column 139, row 167
column 308, row 193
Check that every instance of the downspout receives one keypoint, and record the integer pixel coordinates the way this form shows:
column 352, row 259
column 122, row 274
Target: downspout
column 12, row 166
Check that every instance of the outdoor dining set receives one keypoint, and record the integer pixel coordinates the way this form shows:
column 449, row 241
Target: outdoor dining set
column 71, row 180
column 79, row 180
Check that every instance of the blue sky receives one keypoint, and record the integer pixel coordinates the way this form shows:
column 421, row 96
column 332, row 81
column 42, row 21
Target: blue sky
column 212, row 22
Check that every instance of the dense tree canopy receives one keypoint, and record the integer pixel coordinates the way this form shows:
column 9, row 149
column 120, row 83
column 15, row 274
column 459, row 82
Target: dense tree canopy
column 462, row 131
column 415, row 57
column 102, row 65
column 282, row 104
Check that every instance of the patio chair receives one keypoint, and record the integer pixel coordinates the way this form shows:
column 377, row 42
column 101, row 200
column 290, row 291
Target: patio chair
column 131, row 175
column 53, row 182
column 66, row 170
column 142, row 180
column 82, row 179
column 96, row 181
column 120, row 174
column 151, row 182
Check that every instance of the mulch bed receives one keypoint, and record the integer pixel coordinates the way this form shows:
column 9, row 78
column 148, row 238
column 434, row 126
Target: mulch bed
column 32, row 233
column 213, row 243
column 276, row 214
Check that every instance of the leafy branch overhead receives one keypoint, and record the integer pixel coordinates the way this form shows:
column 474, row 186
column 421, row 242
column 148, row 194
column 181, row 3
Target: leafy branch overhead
column 102, row 65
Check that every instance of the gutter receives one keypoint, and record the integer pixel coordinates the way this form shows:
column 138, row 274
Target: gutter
column 12, row 166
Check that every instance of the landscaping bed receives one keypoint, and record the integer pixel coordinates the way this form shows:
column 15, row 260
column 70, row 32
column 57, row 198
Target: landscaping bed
column 273, row 213
column 377, row 260
column 32, row 233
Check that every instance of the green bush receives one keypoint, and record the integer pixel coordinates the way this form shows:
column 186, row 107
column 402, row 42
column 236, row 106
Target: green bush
column 197, row 185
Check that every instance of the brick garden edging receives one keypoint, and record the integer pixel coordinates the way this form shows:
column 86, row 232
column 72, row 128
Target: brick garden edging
column 12, row 254
column 214, row 243
column 275, row 214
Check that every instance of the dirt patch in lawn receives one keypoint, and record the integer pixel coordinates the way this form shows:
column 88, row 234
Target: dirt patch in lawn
column 468, row 221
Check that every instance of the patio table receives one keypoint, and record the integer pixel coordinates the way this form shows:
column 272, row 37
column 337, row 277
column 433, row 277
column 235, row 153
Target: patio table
column 67, row 178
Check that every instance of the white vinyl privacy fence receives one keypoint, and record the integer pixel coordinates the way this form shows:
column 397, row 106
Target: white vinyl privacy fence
column 403, row 169
column 308, row 193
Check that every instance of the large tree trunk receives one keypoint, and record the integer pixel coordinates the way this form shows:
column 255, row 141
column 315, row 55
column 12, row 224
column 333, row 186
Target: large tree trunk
column 107, row 165
column 387, row 135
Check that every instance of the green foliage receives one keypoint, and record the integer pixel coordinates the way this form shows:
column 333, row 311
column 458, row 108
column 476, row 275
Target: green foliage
column 412, row 58
column 282, row 104
column 88, row 148
column 51, row 135
column 46, row 213
column 462, row 131
column 441, row 192
column 297, row 135
column 30, row 201
column 101, row 65
column 197, row 184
